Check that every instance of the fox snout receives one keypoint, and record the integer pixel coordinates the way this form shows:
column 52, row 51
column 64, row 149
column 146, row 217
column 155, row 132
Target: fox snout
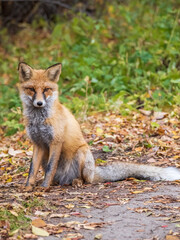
column 39, row 103
column 36, row 96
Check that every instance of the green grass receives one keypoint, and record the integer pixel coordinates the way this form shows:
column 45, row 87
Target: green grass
column 15, row 222
column 127, row 58
column 33, row 202
column 17, row 217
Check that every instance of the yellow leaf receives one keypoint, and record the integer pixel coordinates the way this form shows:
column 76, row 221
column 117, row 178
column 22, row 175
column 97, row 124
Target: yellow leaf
column 56, row 215
column 85, row 206
column 99, row 131
column 69, row 206
column 25, row 174
column 98, row 236
column 176, row 137
column 88, row 227
column 39, row 231
column 10, row 160
column 110, row 9
column 14, row 232
column 9, row 179
column 30, row 149
column 8, row 168
column 162, row 144
column 14, row 213
column 137, row 192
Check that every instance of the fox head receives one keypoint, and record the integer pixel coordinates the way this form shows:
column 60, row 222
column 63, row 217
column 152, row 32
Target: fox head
column 38, row 87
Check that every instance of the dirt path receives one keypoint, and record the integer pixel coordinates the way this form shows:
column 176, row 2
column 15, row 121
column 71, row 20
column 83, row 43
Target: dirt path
column 120, row 213
column 121, row 210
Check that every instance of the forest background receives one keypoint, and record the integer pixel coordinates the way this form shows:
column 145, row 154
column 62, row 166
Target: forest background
column 117, row 56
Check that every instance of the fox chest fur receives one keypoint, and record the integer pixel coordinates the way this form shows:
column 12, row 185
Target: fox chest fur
column 37, row 129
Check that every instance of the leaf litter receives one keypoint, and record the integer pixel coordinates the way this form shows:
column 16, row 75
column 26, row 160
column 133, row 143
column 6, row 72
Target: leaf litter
column 142, row 137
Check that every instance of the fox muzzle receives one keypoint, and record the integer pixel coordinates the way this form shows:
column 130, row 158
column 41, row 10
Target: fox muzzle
column 39, row 104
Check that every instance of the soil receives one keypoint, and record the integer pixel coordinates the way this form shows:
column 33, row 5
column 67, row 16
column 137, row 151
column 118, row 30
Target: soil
column 123, row 210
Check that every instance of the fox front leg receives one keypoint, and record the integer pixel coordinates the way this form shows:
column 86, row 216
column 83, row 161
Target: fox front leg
column 38, row 155
column 54, row 156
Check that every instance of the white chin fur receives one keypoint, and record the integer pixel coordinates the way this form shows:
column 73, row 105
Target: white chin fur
column 171, row 174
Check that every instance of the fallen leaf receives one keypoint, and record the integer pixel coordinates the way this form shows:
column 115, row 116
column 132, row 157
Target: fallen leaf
column 172, row 237
column 89, row 227
column 14, row 213
column 14, row 232
column 29, row 153
column 9, row 180
column 2, row 155
column 135, row 192
column 138, row 149
column 30, row 236
column 98, row 236
column 39, row 231
column 4, row 224
column 151, row 160
column 56, row 215
column 160, row 115
column 75, row 213
column 69, row 206
column 38, row 222
column 40, row 213
column 13, row 152
column 85, row 206
column 99, row 131
column 74, row 236
column 146, row 113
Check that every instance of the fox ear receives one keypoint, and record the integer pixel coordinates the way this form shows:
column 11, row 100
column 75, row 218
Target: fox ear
column 25, row 71
column 53, row 72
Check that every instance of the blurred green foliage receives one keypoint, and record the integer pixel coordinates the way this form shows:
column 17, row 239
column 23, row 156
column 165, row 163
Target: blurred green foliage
column 126, row 59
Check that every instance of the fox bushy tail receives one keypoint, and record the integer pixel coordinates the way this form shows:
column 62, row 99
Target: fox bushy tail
column 120, row 171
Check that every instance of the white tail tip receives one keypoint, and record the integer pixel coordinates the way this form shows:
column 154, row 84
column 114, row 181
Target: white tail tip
column 170, row 174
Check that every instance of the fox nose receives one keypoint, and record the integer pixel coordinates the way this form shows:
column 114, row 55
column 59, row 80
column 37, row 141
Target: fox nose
column 39, row 103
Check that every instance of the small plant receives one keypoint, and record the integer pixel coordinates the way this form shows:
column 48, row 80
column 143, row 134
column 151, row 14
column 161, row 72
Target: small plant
column 106, row 149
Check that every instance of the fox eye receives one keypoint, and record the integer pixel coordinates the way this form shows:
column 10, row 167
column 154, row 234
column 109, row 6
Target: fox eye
column 31, row 89
column 47, row 89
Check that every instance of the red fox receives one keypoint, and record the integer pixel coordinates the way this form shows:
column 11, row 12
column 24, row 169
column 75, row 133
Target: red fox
column 58, row 144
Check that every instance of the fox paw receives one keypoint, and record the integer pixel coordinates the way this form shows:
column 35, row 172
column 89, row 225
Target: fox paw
column 28, row 189
column 77, row 182
column 42, row 189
